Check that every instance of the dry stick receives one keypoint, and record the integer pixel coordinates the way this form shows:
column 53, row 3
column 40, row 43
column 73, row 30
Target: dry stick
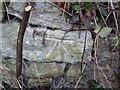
column 105, row 6
column 95, row 58
column 20, row 37
column 119, row 45
column 81, row 14
column 6, row 8
column 118, row 34
column 60, row 8
column 115, row 18
column 96, row 46
column 64, row 9
column 80, row 19
column 83, row 54
column 95, row 53
column 80, row 76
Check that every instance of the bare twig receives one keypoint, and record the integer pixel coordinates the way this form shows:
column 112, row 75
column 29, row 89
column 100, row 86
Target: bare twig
column 80, row 76
column 60, row 8
column 119, row 45
column 96, row 61
column 104, row 75
column 7, row 11
column 83, row 54
column 19, row 48
column 115, row 18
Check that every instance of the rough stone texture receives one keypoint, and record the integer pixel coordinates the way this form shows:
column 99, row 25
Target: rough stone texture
column 68, row 50
column 42, row 58
column 42, row 14
column 35, row 72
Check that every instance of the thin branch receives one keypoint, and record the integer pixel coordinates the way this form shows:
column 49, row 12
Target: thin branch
column 83, row 54
column 80, row 76
column 104, row 75
column 6, row 11
column 119, row 46
column 115, row 18
column 60, row 8
column 20, row 37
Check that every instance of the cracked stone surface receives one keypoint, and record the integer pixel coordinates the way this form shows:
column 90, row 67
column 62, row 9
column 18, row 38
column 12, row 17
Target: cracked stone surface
column 68, row 50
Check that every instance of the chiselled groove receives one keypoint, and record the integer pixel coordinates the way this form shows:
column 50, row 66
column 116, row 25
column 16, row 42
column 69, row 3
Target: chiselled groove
column 47, row 27
column 32, row 25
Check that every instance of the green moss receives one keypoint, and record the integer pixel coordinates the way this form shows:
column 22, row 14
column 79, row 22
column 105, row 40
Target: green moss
column 44, row 81
column 39, row 70
column 56, row 53
column 74, row 50
column 65, row 51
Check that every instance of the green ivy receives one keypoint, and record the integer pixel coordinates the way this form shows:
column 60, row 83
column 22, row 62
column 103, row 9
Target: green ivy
column 94, row 85
column 117, row 44
column 76, row 6
column 88, row 6
column 104, row 32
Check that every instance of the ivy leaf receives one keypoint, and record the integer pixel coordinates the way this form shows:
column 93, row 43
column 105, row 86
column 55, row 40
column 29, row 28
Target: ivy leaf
column 76, row 6
column 94, row 85
column 88, row 6
column 104, row 32
column 117, row 43
column 104, row 11
column 115, row 38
